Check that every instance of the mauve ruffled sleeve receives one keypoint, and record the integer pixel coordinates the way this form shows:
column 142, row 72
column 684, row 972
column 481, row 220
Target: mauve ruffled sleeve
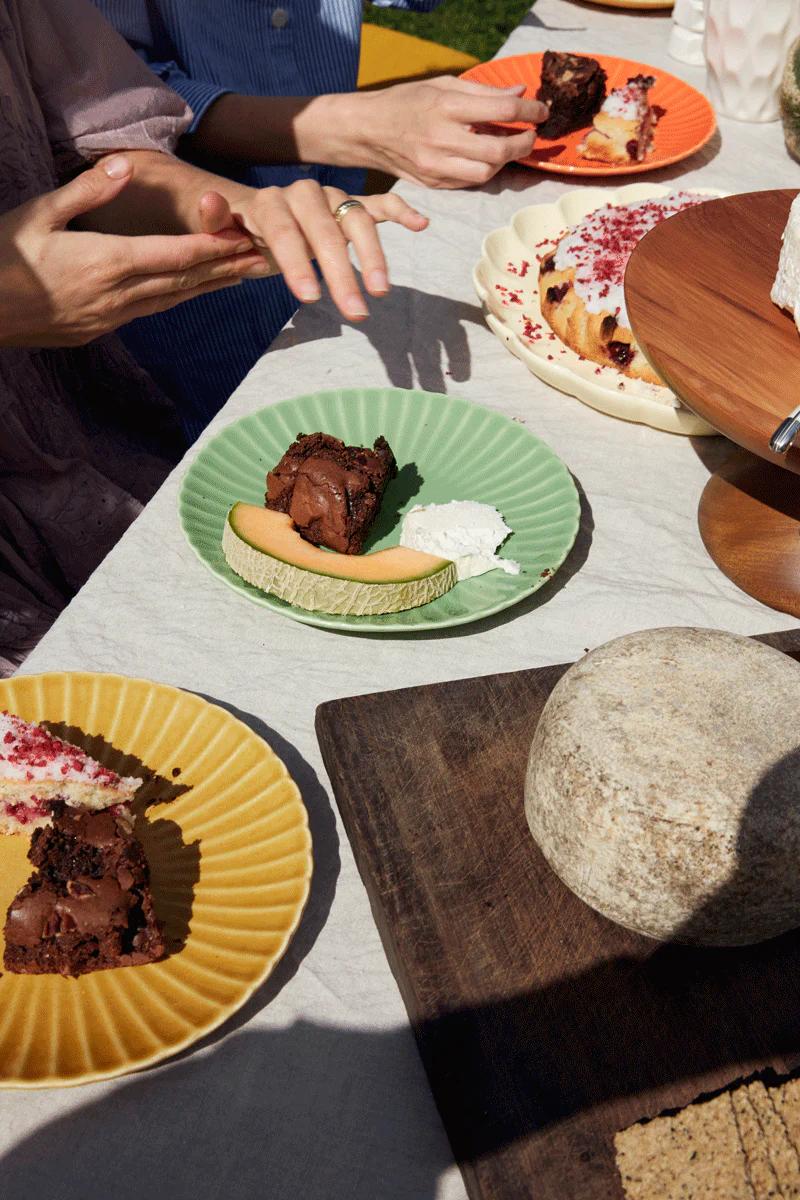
column 95, row 94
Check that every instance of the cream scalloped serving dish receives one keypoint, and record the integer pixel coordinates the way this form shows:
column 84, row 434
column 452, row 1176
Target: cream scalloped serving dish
column 507, row 282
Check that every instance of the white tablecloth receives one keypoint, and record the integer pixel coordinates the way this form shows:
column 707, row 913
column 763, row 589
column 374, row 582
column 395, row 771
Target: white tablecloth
column 316, row 1090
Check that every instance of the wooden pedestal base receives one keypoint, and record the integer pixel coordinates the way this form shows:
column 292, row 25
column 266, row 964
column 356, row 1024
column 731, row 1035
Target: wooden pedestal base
column 749, row 521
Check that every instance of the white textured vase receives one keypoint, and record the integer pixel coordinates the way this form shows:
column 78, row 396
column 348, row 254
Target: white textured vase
column 690, row 14
column 686, row 46
column 746, row 42
column 686, row 36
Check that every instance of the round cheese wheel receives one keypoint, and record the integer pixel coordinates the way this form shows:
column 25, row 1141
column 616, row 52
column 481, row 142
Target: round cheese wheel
column 663, row 785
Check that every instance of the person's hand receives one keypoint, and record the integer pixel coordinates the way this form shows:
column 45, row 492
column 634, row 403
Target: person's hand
column 61, row 287
column 295, row 224
column 434, row 132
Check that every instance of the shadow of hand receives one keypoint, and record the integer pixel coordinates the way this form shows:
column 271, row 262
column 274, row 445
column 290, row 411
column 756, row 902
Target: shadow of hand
column 421, row 337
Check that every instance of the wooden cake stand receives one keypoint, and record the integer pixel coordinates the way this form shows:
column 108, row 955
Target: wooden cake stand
column 698, row 294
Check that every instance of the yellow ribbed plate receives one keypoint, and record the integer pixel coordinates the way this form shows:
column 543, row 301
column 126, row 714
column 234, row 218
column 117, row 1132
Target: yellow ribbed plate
column 230, row 857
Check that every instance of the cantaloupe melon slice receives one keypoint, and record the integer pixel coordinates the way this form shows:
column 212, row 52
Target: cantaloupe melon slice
column 265, row 549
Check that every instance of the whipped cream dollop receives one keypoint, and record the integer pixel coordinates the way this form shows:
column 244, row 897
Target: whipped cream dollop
column 464, row 531
column 786, row 288
column 629, row 102
column 625, row 102
column 601, row 245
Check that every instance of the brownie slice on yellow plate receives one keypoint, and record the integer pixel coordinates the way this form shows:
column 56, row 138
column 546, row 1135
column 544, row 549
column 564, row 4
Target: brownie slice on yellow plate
column 88, row 904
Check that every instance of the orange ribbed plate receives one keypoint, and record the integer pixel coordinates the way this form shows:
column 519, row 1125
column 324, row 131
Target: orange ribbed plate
column 633, row 3
column 230, row 854
column 686, row 124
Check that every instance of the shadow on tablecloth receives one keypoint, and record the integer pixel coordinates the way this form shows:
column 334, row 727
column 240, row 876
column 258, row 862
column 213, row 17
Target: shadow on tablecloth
column 421, row 337
column 325, row 848
column 325, row 1112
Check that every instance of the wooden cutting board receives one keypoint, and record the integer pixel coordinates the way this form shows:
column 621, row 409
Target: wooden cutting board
column 697, row 290
column 543, row 1027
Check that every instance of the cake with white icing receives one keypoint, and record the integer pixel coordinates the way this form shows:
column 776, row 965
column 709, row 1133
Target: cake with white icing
column 786, row 288
column 37, row 769
column 622, row 131
column 581, row 282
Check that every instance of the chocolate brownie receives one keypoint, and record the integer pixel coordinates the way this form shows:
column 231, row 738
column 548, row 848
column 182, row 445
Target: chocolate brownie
column 331, row 491
column 88, row 904
column 574, row 87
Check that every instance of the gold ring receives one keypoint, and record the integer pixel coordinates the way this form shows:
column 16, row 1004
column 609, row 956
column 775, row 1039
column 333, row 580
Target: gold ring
column 344, row 208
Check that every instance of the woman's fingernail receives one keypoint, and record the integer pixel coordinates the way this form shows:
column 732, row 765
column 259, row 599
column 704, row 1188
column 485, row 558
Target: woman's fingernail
column 378, row 281
column 355, row 307
column 241, row 247
column 308, row 291
column 117, row 167
column 260, row 268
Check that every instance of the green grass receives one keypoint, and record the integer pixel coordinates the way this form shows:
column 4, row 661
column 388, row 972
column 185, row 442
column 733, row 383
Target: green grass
column 477, row 27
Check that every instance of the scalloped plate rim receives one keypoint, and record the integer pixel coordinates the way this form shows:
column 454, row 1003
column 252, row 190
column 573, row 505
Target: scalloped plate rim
column 634, row 4
column 562, row 376
column 225, row 1013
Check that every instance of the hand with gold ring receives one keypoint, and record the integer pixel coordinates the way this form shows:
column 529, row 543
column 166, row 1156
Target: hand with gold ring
column 295, row 225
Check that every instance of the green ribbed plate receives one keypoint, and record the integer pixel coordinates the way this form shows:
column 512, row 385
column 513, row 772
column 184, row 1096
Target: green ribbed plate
column 446, row 449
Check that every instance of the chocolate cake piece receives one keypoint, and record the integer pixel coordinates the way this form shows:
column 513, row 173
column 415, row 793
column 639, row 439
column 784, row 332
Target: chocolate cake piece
column 574, row 87
column 88, row 904
column 331, row 491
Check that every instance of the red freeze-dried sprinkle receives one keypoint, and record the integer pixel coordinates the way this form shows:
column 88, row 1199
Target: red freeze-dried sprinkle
column 26, row 811
column 610, row 235
column 31, row 746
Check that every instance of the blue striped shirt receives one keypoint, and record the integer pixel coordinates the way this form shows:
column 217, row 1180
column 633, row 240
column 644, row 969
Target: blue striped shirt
column 202, row 349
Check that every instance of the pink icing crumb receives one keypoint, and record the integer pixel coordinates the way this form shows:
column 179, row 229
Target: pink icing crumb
column 27, row 811
column 29, row 746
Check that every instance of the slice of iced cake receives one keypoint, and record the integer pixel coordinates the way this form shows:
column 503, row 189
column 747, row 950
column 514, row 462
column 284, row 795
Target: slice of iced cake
column 623, row 128
column 88, row 904
column 582, row 282
column 786, row 288
column 37, row 769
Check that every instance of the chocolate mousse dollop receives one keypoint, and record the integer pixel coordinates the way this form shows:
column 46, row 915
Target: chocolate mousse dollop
column 331, row 491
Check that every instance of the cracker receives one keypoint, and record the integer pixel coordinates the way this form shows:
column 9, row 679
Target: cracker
column 758, row 1165
column 741, row 1145
column 786, row 1100
column 778, row 1111
column 695, row 1154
